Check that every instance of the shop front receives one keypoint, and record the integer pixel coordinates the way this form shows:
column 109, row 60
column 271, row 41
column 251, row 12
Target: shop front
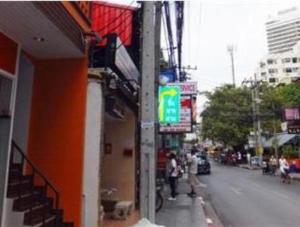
column 43, row 86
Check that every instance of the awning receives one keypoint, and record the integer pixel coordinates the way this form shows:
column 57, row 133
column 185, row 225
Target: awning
column 282, row 138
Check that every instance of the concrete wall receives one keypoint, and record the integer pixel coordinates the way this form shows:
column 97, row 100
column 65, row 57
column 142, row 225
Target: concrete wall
column 118, row 171
column 91, row 168
column 23, row 103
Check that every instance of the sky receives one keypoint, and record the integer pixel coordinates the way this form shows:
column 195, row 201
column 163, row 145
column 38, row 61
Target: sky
column 212, row 25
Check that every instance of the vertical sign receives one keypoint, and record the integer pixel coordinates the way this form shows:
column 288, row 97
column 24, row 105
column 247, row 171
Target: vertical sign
column 169, row 104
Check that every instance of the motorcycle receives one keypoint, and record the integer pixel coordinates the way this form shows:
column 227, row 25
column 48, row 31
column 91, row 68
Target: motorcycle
column 286, row 177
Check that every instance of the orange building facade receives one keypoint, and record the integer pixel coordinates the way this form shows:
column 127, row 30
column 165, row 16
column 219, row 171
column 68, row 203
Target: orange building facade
column 43, row 87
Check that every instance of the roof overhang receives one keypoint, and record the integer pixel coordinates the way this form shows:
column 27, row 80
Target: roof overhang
column 45, row 30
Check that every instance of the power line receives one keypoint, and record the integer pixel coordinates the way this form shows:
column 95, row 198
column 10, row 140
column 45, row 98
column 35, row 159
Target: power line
column 179, row 7
column 166, row 39
column 170, row 34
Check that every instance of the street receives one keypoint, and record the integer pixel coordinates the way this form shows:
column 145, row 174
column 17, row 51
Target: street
column 246, row 198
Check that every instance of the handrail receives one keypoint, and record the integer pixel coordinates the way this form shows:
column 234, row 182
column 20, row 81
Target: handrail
column 37, row 171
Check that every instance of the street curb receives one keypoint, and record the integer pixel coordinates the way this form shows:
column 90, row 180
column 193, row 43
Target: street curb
column 295, row 178
column 250, row 167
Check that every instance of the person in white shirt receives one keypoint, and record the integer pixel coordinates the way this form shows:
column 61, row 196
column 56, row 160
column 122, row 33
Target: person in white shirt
column 173, row 173
column 193, row 170
column 284, row 169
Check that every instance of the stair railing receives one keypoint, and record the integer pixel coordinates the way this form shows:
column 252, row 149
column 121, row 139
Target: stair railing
column 27, row 165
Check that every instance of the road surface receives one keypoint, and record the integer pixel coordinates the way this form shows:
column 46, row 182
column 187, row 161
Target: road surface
column 246, row 198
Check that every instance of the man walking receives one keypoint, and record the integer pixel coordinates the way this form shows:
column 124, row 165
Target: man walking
column 173, row 173
column 193, row 170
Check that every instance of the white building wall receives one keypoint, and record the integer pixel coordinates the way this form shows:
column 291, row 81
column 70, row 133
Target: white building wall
column 280, row 71
column 283, row 30
column 91, row 177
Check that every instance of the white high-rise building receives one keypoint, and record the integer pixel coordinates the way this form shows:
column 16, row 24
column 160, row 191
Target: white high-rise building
column 280, row 68
column 283, row 31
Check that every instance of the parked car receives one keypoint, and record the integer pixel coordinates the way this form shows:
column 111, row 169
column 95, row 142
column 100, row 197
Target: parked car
column 203, row 165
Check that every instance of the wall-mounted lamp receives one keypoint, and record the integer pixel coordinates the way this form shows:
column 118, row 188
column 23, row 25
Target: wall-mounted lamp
column 96, row 38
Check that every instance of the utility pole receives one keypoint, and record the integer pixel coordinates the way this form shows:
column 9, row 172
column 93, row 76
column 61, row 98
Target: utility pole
column 148, row 112
column 275, row 134
column 230, row 49
column 254, row 84
column 257, row 100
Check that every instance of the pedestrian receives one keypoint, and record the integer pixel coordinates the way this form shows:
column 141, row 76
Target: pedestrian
column 239, row 157
column 173, row 173
column 193, row 170
column 249, row 158
column 284, row 168
column 273, row 164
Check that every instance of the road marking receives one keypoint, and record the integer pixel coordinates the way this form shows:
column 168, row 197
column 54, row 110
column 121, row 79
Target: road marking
column 209, row 221
column 201, row 200
column 236, row 191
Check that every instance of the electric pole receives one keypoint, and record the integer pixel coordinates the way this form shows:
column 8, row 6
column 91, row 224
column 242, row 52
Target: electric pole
column 254, row 85
column 148, row 111
column 230, row 49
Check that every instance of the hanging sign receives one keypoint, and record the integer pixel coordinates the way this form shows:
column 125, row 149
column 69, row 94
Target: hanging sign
column 169, row 104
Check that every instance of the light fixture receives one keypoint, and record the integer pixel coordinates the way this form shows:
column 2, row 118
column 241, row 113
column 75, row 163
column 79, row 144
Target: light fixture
column 38, row 39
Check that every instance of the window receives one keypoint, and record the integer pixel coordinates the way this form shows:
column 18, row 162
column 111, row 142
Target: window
column 287, row 70
column 273, row 70
column 294, row 60
column 272, row 80
column 263, row 73
column 286, row 60
column 271, row 61
column 295, row 69
column 262, row 64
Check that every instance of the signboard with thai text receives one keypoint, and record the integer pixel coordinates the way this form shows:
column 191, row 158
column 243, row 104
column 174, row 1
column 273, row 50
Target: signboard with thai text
column 185, row 124
column 186, row 88
column 292, row 118
column 169, row 104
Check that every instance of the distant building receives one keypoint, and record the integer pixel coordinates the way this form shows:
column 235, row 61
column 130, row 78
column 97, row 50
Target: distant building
column 280, row 68
column 282, row 64
column 283, row 31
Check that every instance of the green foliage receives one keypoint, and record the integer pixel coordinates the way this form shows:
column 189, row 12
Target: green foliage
column 290, row 152
column 228, row 117
column 289, row 95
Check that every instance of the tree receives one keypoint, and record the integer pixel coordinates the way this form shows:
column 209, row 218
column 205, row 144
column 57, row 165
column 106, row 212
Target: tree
column 228, row 116
column 289, row 94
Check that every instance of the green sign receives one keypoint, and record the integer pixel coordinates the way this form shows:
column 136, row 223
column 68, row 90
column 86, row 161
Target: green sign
column 169, row 104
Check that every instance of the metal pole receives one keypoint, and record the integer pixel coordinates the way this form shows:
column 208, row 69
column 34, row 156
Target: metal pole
column 254, row 116
column 260, row 148
column 148, row 114
column 230, row 50
column 275, row 134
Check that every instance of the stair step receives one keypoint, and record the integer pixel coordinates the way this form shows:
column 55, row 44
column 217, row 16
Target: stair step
column 20, row 179
column 15, row 166
column 13, row 190
column 29, row 202
column 36, row 216
column 50, row 222
column 68, row 224
column 24, row 193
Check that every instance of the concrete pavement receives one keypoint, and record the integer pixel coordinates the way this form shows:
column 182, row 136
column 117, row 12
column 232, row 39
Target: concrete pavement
column 244, row 198
column 184, row 212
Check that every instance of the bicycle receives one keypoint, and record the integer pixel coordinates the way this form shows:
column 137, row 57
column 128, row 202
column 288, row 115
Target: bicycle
column 159, row 199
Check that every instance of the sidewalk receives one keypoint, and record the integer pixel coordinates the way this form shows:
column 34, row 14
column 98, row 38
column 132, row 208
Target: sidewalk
column 184, row 212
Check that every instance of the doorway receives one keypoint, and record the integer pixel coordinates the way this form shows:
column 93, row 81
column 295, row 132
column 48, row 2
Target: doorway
column 6, row 87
